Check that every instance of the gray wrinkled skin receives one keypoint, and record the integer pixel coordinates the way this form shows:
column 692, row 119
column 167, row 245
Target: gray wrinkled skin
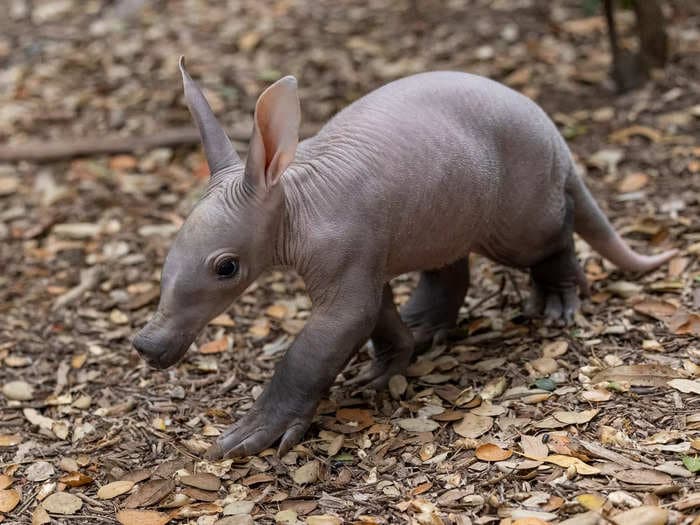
column 413, row 176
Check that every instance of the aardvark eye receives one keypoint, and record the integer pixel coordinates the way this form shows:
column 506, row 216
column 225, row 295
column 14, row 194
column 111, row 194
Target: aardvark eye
column 226, row 267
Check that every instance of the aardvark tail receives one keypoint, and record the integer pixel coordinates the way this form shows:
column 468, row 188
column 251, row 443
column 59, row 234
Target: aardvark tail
column 591, row 224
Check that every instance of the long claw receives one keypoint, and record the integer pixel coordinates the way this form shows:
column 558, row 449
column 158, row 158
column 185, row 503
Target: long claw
column 292, row 436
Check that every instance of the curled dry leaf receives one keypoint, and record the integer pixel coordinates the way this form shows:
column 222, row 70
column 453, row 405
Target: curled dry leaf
column 575, row 418
column 114, row 489
column 215, row 347
column 142, row 517
column 596, row 395
column 492, row 452
column 473, row 426
column 494, row 388
column 75, row 479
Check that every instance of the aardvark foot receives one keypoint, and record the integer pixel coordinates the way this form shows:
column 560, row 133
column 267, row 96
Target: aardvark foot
column 260, row 428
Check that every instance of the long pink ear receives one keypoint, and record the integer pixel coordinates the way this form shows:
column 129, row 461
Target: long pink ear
column 217, row 146
column 275, row 134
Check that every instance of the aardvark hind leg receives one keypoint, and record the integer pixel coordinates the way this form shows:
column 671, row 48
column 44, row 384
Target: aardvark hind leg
column 392, row 345
column 434, row 305
column 555, row 284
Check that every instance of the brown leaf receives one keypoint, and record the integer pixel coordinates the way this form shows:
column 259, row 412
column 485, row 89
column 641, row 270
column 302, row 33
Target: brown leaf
column 202, row 480
column 644, row 515
column 492, row 452
column 8, row 500
column 215, row 347
column 142, row 517
column 567, row 461
column 150, row 493
column 201, row 495
column 622, row 136
column 633, row 182
column 10, row 440
column 533, row 447
column 638, row 375
column 575, row 418
column 114, row 489
column 660, row 310
column 473, row 426
column 354, row 419
column 5, row 481
column 643, row 477
column 75, row 479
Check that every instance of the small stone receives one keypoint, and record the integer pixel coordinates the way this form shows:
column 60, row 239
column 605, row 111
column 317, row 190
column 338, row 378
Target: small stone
column 18, row 391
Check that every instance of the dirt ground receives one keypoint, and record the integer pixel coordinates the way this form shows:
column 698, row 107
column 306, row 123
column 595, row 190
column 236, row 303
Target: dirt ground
column 511, row 422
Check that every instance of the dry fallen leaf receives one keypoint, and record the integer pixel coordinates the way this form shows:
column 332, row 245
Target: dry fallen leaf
column 62, row 503
column 566, row 461
column 323, row 519
column 685, row 385
column 307, row 473
column 417, row 424
column 533, row 447
column 591, row 501
column 575, row 418
column 75, row 479
column 638, row 375
column 202, row 480
column 150, row 493
column 8, row 500
column 633, row 182
column 215, row 347
column 10, row 440
column 473, row 426
column 492, row 452
column 643, row 477
column 142, row 517
column 644, row 515
column 114, row 489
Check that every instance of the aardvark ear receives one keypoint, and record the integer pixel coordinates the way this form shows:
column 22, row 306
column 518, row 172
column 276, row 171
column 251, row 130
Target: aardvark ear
column 275, row 134
column 217, row 147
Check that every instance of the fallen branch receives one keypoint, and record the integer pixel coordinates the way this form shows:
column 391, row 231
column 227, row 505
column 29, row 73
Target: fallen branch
column 46, row 151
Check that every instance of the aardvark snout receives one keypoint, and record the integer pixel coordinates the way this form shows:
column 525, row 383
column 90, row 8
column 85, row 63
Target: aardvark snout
column 159, row 349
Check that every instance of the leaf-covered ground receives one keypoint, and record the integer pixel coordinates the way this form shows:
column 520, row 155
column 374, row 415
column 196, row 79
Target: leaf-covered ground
column 511, row 422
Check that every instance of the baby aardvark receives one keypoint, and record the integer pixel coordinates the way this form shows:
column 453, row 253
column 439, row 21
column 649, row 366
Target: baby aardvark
column 413, row 176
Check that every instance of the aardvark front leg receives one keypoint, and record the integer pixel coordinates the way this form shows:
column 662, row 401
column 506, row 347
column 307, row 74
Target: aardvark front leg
column 341, row 320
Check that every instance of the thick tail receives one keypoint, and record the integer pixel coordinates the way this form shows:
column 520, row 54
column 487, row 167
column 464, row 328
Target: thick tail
column 591, row 224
